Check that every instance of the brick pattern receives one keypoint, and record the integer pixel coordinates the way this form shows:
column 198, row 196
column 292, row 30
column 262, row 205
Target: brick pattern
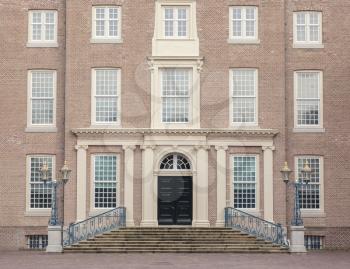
column 274, row 58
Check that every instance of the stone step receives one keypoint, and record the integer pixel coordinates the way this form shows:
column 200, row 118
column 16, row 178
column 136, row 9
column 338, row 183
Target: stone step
column 172, row 242
column 189, row 244
column 177, row 251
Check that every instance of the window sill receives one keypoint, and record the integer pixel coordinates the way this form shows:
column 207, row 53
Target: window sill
column 312, row 214
column 105, row 126
column 41, row 129
column 105, row 41
column 308, row 46
column 39, row 213
column 245, row 126
column 244, row 41
column 96, row 211
column 309, row 130
column 42, row 45
column 254, row 212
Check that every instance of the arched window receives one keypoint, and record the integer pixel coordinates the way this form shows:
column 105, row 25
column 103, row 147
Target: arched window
column 175, row 162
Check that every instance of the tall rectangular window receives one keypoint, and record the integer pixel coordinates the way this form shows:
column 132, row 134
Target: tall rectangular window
column 175, row 21
column 42, row 26
column 308, row 95
column 40, row 196
column 42, row 101
column 106, row 22
column 308, row 27
column 244, row 96
column 176, row 88
column 106, row 90
column 105, row 181
column 309, row 196
column 243, row 23
column 245, row 181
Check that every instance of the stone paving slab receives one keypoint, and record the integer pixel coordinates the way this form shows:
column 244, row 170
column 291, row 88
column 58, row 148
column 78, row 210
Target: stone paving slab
column 41, row 260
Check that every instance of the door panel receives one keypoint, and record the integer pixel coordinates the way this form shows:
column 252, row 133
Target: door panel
column 174, row 200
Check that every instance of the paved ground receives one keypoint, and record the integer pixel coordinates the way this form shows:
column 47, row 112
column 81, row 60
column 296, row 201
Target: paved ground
column 41, row 260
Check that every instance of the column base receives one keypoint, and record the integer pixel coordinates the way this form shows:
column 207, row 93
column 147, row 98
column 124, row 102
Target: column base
column 220, row 223
column 297, row 239
column 201, row 223
column 54, row 239
column 149, row 223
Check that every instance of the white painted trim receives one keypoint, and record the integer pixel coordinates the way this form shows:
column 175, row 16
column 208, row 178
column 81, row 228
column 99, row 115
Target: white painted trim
column 41, row 43
column 221, row 178
column 129, row 184
column 313, row 212
column 30, row 126
column 37, row 212
column 106, row 39
column 244, row 39
column 96, row 210
column 268, row 183
column 156, row 105
column 93, row 99
column 255, row 211
column 307, row 44
column 256, row 85
column 303, row 128
column 81, row 181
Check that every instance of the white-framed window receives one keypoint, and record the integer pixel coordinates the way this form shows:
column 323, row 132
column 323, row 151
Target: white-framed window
column 243, row 93
column 39, row 194
column 106, row 23
column 243, row 24
column 106, row 96
column 310, row 196
column 41, row 98
column 308, row 99
column 176, row 85
column 307, row 28
column 245, row 181
column 105, row 181
column 176, row 21
column 42, row 28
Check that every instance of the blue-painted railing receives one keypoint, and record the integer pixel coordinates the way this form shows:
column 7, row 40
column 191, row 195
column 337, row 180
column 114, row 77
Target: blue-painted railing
column 252, row 225
column 102, row 223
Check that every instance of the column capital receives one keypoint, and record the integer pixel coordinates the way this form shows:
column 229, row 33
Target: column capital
column 144, row 147
column 221, row 148
column 268, row 148
column 203, row 147
column 83, row 147
column 129, row 147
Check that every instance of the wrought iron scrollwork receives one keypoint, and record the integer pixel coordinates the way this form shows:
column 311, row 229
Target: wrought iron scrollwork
column 255, row 226
column 99, row 224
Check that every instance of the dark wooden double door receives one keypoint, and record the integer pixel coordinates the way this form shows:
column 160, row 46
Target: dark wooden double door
column 174, row 200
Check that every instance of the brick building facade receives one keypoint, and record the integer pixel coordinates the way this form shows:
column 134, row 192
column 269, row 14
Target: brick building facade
column 129, row 92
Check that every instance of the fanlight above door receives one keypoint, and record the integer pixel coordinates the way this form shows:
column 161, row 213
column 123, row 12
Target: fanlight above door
column 175, row 162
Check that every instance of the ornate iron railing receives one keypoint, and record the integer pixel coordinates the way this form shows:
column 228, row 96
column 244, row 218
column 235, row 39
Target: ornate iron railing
column 105, row 222
column 255, row 226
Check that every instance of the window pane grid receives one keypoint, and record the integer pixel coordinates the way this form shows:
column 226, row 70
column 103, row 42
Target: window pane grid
column 42, row 97
column 107, row 22
column 105, row 181
column 244, row 96
column 175, row 22
column 43, row 25
column 308, row 27
column 175, row 95
column 308, row 98
column 309, row 196
column 244, row 22
column 106, row 96
column 40, row 193
column 244, row 181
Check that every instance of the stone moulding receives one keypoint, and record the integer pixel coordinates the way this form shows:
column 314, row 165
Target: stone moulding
column 146, row 131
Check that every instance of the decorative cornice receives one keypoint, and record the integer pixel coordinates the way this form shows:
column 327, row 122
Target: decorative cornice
column 147, row 131
column 81, row 147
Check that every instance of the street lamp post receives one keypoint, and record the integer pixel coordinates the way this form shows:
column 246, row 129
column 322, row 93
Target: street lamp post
column 55, row 227
column 297, row 225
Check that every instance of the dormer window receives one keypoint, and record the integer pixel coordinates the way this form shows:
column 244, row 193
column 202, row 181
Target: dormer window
column 176, row 21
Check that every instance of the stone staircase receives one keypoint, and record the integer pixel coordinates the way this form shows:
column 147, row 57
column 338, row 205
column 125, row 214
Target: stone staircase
column 175, row 240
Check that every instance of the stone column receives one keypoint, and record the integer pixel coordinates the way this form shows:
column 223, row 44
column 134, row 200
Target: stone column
column 149, row 192
column 81, row 182
column 201, row 188
column 129, row 184
column 268, row 182
column 297, row 239
column 220, row 185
